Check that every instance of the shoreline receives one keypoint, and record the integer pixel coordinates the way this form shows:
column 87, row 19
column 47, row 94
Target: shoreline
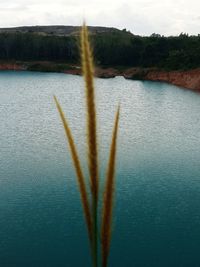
column 189, row 79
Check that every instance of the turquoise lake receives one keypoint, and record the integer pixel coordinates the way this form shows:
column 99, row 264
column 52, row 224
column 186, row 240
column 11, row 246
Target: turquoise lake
column 157, row 198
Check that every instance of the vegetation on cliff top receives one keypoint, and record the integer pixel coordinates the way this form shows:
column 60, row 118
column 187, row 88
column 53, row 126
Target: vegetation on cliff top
column 112, row 47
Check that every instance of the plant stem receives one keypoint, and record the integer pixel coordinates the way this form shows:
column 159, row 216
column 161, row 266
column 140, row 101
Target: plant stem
column 95, row 232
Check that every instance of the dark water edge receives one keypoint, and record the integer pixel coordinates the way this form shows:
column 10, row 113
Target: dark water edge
column 157, row 205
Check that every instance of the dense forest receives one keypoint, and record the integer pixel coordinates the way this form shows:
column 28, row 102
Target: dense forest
column 111, row 48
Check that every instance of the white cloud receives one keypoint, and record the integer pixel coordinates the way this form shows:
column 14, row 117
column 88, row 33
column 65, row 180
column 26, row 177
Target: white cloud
column 143, row 17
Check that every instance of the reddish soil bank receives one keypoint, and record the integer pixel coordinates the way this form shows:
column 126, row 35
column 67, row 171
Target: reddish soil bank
column 188, row 79
column 12, row 66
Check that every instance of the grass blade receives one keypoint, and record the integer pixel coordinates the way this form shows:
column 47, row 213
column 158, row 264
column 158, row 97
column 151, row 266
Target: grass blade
column 108, row 196
column 88, row 72
column 79, row 173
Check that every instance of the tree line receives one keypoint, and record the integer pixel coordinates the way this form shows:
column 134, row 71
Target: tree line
column 110, row 49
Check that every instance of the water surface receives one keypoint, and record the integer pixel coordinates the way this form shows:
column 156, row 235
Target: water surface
column 157, row 204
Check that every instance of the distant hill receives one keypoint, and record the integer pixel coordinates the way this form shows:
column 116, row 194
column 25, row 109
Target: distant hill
column 58, row 30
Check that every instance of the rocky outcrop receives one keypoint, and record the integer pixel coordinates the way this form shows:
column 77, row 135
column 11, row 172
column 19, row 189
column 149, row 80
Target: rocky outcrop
column 106, row 72
column 135, row 73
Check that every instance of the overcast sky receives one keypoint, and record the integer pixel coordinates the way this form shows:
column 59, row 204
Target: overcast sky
column 144, row 17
